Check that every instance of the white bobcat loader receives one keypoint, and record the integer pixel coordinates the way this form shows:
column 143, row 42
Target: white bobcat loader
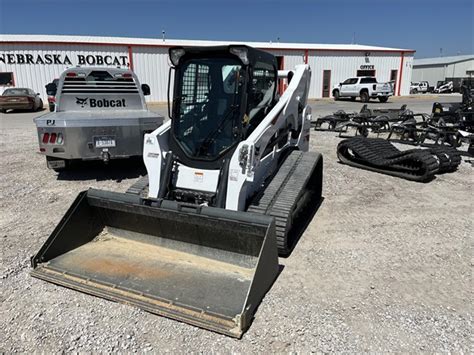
column 230, row 183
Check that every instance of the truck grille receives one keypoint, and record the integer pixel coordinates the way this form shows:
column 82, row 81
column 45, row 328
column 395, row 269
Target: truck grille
column 83, row 86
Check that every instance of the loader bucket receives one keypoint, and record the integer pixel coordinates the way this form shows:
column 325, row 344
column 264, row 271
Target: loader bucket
column 205, row 266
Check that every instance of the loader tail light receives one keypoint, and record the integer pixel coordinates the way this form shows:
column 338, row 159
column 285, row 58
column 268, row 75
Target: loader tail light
column 127, row 75
column 45, row 138
column 52, row 138
column 71, row 74
column 60, row 139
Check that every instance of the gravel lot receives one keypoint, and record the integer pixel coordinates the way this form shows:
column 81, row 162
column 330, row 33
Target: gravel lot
column 385, row 264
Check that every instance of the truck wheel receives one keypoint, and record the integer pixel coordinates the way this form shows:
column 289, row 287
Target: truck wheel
column 383, row 99
column 2, row 110
column 353, row 98
column 364, row 96
column 414, row 91
column 336, row 95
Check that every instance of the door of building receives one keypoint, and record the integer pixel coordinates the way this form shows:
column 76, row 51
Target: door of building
column 326, row 83
column 393, row 78
column 281, row 66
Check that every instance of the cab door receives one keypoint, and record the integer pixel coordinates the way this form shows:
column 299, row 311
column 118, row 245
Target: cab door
column 346, row 87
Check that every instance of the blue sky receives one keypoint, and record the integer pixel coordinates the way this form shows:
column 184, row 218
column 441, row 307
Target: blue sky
column 423, row 25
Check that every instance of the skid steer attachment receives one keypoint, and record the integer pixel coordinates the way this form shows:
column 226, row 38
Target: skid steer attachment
column 205, row 266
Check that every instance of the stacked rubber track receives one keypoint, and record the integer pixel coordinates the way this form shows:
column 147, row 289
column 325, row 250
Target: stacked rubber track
column 297, row 183
column 379, row 155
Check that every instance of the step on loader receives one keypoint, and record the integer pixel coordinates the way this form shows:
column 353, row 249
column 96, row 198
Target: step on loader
column 229, row 181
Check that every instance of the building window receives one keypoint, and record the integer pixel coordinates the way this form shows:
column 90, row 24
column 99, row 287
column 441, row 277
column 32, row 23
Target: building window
column 366, row 73
column 6, row 79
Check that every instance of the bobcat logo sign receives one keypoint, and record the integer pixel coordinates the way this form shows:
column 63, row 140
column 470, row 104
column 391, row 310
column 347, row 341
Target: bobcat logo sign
column 81, row 101
column 100, row 102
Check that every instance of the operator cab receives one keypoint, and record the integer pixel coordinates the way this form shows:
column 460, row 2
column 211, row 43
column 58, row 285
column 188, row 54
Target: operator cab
column 220, row 95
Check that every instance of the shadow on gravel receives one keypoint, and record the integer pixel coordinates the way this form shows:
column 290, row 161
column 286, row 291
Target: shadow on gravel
column 300, row 224
column 96, row 170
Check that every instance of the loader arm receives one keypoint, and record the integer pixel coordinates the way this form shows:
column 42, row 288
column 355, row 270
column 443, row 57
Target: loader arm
column 286, row 125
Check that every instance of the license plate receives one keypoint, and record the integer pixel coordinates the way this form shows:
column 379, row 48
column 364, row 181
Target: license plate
column 105, row 142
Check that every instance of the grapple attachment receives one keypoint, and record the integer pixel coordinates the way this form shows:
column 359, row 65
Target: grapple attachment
column 205, row 266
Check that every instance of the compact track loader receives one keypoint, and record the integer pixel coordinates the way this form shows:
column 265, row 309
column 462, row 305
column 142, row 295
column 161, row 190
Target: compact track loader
column 230, row 181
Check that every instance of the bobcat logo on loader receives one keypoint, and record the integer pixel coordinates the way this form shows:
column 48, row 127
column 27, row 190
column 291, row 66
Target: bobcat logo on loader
column 81, row 102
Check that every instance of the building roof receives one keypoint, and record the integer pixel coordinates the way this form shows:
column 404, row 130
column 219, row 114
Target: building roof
column 442, row 60
column 158, row 42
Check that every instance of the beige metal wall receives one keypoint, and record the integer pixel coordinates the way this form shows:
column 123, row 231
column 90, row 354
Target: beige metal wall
column 439, row 72
column 344, row 64
column 152, row 65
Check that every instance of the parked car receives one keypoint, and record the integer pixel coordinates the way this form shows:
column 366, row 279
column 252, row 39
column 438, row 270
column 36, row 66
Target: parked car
column 365, row 87
column 20, row 99
column 420, row 87
column 51, row 92
column 444, row 87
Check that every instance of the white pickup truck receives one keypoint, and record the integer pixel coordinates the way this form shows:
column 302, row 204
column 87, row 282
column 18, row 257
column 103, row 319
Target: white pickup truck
column 422, row 86
column 100, row 114
column 365, row 87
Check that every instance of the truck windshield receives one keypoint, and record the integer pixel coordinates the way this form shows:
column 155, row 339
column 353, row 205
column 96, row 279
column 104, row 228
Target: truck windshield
column 207, row 106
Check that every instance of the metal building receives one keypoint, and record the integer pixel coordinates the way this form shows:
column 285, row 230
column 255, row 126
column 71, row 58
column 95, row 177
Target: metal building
column 453, row 69
column 34, row 60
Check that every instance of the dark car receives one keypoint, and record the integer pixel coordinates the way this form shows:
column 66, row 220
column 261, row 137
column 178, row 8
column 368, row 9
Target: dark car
column 20, row 99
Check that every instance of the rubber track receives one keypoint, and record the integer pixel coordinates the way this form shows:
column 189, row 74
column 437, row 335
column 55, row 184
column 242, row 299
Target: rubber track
column 282, row 194
column 379, row 155
column 452, row 155
column 139, row 186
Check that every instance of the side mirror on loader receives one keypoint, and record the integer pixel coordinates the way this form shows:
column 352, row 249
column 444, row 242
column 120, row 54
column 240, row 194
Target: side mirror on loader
column 146, row 89
column 51, row 89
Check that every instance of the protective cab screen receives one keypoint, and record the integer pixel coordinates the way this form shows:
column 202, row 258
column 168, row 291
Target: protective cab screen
column 209, row 97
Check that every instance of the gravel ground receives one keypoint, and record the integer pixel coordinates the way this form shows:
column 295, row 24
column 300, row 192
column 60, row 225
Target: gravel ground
column 385, row 264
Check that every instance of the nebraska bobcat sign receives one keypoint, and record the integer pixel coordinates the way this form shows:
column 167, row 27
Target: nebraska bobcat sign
column 64, row 59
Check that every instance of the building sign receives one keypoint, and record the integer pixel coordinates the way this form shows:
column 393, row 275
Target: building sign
column 64, row 59
column 367, row 67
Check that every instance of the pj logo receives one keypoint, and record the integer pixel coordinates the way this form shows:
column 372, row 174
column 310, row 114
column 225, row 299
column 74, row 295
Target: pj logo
column 81, row 101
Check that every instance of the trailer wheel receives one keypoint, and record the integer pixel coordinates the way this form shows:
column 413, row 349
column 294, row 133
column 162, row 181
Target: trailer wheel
column 383, row 99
